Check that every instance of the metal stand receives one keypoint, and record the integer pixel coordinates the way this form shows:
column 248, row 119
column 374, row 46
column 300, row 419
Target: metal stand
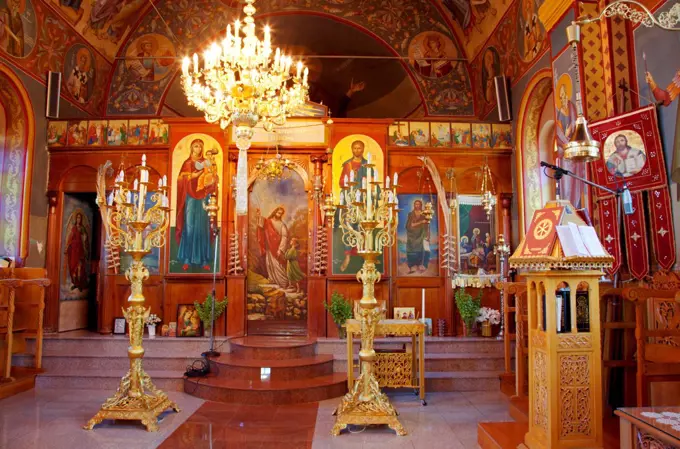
column 211, row 352
column 559, row 172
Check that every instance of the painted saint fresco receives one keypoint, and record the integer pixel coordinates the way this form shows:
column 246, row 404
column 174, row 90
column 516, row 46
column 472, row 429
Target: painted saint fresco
column 430, row 54
column 277, row 249
column 417, row 240
column 564, row 75
column 102, row 22
column 398, row 134
column 146, row 57
column 117, row 132
column 658, row 76
column 56, row 134
column 139, row 132
column 79, row 73
column 481, row 135
column 159, row 132
column 477, row 238
column 19, row 27
column 501, row 136
column 530, row 31
column 76, row 244
column 624, row 153
column 420, row 134
column 491, row 67
column 350, row 155
column 77, row 133
column 441, row 134
column 461, row 135
column 96, row 132
column 477, row 18
column 197, row 163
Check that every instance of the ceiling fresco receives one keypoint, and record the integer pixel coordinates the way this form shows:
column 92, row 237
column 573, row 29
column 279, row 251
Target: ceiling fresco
column 413, row 29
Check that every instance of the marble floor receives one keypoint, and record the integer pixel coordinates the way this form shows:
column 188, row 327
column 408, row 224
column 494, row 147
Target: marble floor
column 54, row 418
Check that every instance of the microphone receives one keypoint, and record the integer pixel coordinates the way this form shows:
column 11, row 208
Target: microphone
column 627, row 201
column 556, row 168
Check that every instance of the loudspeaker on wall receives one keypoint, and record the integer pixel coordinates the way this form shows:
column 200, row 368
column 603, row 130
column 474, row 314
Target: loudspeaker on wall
column 503, row 98
column 53, row 93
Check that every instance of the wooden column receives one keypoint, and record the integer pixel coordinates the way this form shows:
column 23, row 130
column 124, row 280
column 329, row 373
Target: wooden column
column 565, row 384
column 51, row 321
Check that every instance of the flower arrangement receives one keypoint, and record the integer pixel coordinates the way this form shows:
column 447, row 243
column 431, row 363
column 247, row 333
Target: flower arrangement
column 468, row 307
column 205, row 310
column 493, row 316
column 152, row 320
column 340, row 310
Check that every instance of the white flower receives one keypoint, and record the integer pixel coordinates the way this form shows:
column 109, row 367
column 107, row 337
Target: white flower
column 493, row 316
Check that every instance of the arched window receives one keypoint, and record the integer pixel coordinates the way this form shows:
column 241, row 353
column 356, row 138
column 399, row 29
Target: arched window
column 16, row 151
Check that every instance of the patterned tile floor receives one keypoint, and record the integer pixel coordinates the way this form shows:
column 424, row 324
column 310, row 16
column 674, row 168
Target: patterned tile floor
column 54, row 418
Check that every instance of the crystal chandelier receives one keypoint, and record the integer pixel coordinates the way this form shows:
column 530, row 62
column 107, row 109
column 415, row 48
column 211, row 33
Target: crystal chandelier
column 242, row 82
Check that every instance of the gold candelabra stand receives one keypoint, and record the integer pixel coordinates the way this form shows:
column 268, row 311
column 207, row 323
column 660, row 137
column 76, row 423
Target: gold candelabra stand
column 368, row 218
column 126, row 217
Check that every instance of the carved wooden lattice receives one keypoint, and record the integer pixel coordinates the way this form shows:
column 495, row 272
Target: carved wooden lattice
column 394, row 369
column 540, row 390
column 575, row 396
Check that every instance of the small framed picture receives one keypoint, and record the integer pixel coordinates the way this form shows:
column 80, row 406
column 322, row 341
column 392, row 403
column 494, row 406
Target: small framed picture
column 404, row 313
column 172, row 329
column 119, row 326
column 165, row 331
column 188, row 322
column 428, row 326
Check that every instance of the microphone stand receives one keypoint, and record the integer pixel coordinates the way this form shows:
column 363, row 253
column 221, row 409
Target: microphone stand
column 560, row 172
column 211, row 352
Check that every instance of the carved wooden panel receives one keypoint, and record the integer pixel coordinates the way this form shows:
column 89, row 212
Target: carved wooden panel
column 540, row 393
column 575, row 397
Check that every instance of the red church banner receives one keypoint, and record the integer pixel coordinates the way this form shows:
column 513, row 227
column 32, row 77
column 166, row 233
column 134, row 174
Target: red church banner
column 631, row 151
column 661, row 223
column 637, row 250
column 609, row 232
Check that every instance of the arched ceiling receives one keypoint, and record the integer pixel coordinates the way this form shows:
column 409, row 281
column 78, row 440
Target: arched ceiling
column 404, row 29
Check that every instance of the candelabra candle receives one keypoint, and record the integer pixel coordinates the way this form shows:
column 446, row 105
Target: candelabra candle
column 368, row 224
column 125, row 223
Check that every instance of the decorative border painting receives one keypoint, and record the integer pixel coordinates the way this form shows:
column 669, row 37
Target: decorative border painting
column 107, row 133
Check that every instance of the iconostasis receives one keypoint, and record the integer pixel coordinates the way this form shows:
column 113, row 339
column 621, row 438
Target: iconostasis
column 282, row 260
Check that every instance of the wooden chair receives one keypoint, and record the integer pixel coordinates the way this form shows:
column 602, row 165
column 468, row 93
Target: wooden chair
column 514, row 296
column 657, row 332
column 22, row 305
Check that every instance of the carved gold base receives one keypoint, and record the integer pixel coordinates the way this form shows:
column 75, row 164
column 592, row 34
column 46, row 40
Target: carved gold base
column 145, row 408
column 376, row 410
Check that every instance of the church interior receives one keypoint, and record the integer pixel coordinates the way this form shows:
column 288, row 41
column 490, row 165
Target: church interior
column 339, row 224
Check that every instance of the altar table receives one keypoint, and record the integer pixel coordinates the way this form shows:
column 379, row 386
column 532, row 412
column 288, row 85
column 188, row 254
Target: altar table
column 393, row 369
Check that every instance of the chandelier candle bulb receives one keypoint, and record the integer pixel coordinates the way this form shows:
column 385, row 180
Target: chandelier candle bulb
column 299, row 69
column 396, row 183
column 387, row 183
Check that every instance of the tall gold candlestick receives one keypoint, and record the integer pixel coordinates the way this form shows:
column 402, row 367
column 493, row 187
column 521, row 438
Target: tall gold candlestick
column 369, row 228
column 125, row 223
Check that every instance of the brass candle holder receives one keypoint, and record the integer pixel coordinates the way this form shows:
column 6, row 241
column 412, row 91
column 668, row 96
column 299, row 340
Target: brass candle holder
column 502, row 250
column 126, row 218
column 368, row 219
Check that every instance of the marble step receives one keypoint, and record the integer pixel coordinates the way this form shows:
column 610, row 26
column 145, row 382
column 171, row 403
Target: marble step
column 272, row 348
column 166, row 380
column 103, row 362
column 229, row 366
column 433, row 345
column 118, row 345
column 462, row 381
column 446, row 362
column 223, row 389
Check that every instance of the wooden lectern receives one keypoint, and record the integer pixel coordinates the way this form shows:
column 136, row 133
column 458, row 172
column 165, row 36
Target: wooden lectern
column 565, row 380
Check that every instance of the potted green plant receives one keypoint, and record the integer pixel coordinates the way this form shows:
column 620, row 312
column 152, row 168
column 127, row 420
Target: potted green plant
column 340, row 310
column 205, row 309
column 468, row 307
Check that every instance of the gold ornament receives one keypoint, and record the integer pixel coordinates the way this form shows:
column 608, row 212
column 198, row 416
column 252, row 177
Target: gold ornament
column 125, row 223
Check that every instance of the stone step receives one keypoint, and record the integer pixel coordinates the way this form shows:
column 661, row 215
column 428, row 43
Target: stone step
column 103, row 362
column 223, row 389
column 105, row 380
column 433, row 345
column 256, row 369
column 272, row 348
column 462, row 381
column 446, row 362
column 115, row 345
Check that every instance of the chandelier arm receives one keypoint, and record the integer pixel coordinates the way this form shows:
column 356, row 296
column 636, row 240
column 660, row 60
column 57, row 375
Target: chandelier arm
column 644, row 16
